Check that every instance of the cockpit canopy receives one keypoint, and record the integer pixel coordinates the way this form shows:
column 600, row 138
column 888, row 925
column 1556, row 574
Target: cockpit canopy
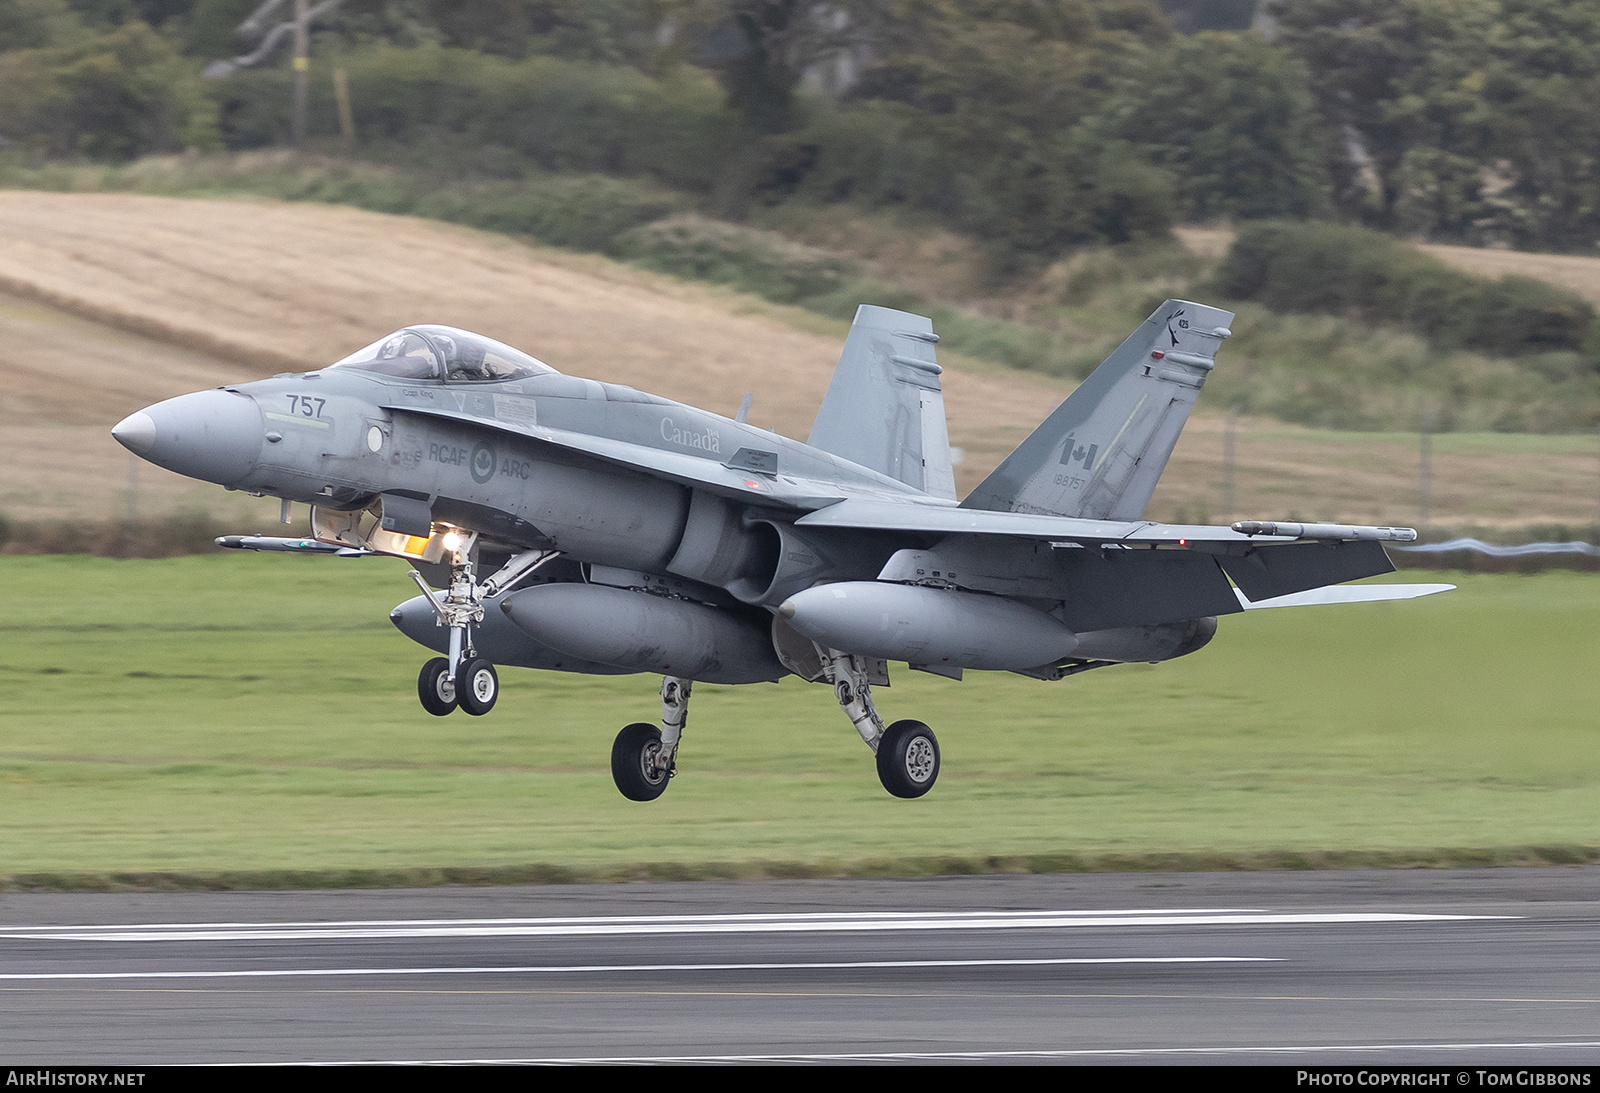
column 443, row 352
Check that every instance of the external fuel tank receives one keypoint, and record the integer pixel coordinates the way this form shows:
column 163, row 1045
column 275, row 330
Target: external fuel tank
column 643, row 632
column 931, row 626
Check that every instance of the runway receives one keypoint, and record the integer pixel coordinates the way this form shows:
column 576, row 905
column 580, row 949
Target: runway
column 1448, row 968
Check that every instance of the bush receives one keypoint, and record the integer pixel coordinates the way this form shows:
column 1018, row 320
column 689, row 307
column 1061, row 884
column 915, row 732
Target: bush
column 1334, row 269
column 752, row 260
column 468, row 113
column 590, row 212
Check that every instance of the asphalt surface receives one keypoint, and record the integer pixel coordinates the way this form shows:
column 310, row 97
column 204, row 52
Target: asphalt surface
column 1452, row 968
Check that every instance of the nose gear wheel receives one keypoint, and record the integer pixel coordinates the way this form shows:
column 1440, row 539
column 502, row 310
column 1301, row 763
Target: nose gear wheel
column 435, row 687
column 477, row 687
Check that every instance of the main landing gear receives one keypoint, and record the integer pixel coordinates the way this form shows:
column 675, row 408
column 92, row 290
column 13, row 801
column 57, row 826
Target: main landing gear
column 907, row 751
column 464, row 679
column 643, row 756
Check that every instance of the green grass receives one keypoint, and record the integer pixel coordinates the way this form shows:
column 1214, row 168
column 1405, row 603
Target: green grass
column 212, row 714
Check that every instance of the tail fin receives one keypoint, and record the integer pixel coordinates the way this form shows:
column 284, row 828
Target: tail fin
column 884, row 408
column 1099, row 455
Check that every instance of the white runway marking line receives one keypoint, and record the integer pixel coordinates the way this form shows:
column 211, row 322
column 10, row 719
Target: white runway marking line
column 833, row 965
column 831, row 922
column 941, row 1056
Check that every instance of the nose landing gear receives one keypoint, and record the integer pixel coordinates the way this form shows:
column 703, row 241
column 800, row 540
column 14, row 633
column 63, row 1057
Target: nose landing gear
column 463, row 678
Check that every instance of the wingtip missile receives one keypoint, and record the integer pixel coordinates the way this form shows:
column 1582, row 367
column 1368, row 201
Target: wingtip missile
column 277, row 544
column 1325, row 531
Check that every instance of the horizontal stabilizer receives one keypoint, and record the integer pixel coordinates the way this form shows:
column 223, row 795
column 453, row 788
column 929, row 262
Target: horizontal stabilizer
column 1370, row 593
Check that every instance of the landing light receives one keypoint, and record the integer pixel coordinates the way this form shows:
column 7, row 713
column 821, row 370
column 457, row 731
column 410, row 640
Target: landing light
column 453, row 541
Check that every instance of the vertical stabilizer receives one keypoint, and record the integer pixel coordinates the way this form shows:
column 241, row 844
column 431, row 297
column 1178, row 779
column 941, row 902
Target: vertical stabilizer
column 885, row 408
column 1099, row 455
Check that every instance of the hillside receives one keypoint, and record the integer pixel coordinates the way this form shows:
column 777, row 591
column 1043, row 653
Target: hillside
column 1576, row 272
column 111, row 301
column 245, row 289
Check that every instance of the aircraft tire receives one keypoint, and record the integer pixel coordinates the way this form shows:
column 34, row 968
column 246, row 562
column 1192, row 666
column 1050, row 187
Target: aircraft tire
column 636, row 777
column 434, row 688
column 478, row 687
column 908, row 759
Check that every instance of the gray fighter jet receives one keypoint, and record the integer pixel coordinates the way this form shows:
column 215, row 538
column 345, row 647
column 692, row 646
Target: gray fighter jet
column 579, row 526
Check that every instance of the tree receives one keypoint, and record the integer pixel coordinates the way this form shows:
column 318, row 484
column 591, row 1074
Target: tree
column 1459, row 118
column 1230, row 118
column 760, row 49
column 1008, row 91
column 115, row 95
column 33, row 24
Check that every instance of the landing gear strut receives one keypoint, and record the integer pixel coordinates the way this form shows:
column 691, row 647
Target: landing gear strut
column 907, row 751
column 644, row 757
column 463, row 678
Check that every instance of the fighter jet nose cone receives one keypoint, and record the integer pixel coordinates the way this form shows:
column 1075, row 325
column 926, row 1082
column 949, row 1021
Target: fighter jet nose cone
column 136, row 432
column 214, row 436
column 786, row 609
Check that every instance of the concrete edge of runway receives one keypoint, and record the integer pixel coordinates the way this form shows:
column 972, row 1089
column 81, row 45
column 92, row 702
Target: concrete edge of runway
column 1524, row 891
column 1066, row 863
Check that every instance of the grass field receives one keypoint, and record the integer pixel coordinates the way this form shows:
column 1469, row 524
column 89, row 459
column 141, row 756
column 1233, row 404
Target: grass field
column 224, row 713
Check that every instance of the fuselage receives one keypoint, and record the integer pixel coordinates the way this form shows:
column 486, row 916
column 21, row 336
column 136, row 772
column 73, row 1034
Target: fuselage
column 545, row 461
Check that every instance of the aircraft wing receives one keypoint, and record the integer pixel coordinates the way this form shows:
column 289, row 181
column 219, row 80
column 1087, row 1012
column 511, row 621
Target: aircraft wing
column 1264, row 560
column 1242, row 537
column 745, row 485
column 870, row 515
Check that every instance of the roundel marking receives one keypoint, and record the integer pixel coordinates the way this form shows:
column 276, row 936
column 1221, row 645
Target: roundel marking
column 482, row 465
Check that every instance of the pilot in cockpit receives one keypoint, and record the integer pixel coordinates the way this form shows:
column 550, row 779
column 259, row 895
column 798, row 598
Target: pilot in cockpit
column 464, row 358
